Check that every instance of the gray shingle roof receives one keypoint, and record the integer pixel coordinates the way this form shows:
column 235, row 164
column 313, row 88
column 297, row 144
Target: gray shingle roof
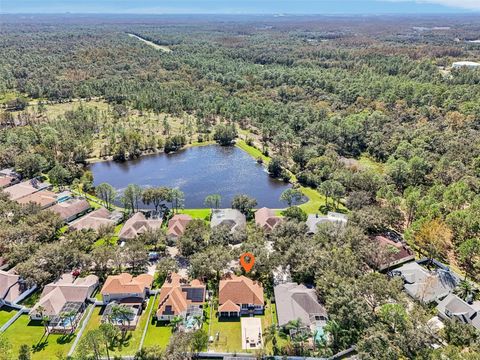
column 295, row 301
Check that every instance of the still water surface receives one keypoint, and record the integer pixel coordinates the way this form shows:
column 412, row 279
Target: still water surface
column 198, row 172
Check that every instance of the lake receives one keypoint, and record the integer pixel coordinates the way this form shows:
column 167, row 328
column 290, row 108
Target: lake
column 198, row 172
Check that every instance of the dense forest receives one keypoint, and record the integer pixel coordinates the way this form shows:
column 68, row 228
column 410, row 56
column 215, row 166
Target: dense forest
column 367, row 111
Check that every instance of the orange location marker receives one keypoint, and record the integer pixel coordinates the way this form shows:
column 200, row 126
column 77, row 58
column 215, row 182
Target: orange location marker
column 247, row 261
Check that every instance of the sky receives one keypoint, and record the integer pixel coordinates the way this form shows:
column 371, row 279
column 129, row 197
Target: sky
column 241, row 6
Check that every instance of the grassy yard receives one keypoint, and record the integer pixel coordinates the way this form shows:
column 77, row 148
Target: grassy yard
column 6, row 314
column 254, row 152
column 203, row 214
column 24, row 331
column 230, row 331
column 158, row 333
column 131, row 343
column 315, row 201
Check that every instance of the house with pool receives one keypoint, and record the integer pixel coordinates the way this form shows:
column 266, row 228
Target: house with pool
column 297, row 302
column 179, row 297
column 64, row 301
column 125, row 299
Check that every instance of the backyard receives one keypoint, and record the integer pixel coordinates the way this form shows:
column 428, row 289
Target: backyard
column 158, row 333
column 130, row 344
column 24, row 331
column 230, row 331
column 6, row 314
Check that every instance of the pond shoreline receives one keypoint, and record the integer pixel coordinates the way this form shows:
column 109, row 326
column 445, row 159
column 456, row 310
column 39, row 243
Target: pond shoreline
column 203, row 170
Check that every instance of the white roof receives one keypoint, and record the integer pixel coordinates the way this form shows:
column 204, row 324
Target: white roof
column 466, row 63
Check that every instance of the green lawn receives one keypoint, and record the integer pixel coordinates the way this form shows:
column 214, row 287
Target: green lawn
column 367, row 162
column 24, row 331
column 131, row 343
column 6, row 314
column 315, row 201
column 254, row 152
column 203, row 214
column 230, row 331
column 158, row 333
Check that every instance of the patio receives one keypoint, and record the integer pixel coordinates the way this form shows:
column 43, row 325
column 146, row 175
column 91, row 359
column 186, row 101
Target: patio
column 251, row 333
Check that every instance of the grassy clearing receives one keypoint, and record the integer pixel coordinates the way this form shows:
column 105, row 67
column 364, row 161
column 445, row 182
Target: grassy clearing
column 203, row 143
column 316, row 201
column 6, row 313
column 158, row 333
column 152, row 44
column 367, row 162
column 24, row 331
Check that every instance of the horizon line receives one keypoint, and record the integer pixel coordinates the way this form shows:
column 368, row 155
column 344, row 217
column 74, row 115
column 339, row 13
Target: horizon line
column 277, row 14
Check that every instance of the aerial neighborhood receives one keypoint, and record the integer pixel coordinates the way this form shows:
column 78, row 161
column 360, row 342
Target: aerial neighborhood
column 173, row 293
column 182, row 187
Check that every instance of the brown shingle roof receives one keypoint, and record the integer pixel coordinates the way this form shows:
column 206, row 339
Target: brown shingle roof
column 94, row 220
column 70, row 208
column 127, row 284
column 177, row 224
column 44, row 198
column 266, row 218
column 176, row 295
column 9, row 286
column 6, row 181
column 240, row 290
column 137, row 225
column 67, row 289
column 400, row 253
column 25, row 188
column 229, row 306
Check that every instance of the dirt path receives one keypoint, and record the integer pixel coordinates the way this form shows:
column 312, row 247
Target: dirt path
column 152, row 44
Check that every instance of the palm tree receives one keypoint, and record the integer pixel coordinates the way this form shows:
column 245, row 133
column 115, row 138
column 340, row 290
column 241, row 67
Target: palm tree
column 335, row 330
column 45, row 319
column 121, row 313
column 270, row 336
column 175, row 322
column 70, row 315
column 465, row 289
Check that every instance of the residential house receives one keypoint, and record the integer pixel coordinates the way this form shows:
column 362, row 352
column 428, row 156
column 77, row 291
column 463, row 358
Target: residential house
column 67, row 295
column 425, row 285
column 181, row 298
column 239, row 295
column 138, row 224
column 177, row 225
column 126, row 291
column 454, row 308
column 266, row 219
column 393, row 253
column 71, row 209
column 11, row 288
column 8, row 177
column 44, row 199
column 294, row 301
column 313, row 221
column 96, row 220
column 25, row 188
column 232, row 218
column 119, row 287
